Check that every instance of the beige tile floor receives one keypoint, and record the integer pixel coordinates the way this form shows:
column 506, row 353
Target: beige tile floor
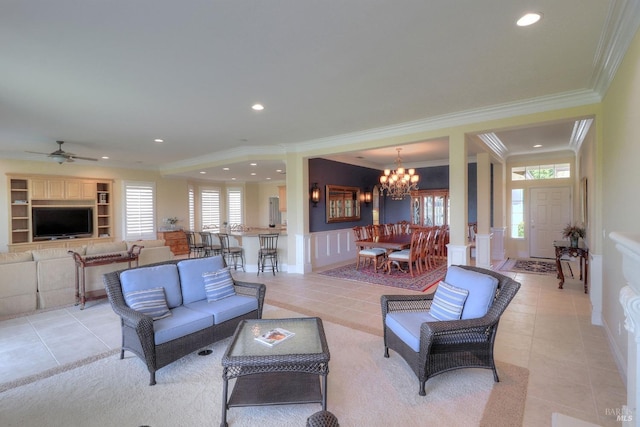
column 545, row 329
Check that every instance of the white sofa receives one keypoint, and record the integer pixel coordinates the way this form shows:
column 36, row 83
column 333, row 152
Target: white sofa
column 45, row 278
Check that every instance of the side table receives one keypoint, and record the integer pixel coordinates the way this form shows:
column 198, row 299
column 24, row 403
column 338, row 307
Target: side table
column 95, row 260
column 284, row 374
column 564, row 248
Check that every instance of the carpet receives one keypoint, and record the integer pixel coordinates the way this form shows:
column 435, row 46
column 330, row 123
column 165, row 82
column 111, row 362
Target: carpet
column 364, row 388
column 396, row 279
column 530, row 266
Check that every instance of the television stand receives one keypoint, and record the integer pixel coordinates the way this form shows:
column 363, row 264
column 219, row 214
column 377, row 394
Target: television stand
column 93, row 261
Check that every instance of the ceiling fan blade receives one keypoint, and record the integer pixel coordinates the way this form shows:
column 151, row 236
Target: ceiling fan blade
column 82, row 158
column 37, row 152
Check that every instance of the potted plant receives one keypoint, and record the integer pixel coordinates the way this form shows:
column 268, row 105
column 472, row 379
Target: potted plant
column 573, row 233
column 171, row 222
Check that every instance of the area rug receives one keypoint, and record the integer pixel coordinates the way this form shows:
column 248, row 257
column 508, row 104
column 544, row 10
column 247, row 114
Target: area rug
column 530, row 266
column 364, row 388
column 397, row 279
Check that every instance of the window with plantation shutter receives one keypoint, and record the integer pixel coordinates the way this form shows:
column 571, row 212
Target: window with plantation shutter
column 192, row 209
column 139, row 210
column 234, row 205
column 210, row 207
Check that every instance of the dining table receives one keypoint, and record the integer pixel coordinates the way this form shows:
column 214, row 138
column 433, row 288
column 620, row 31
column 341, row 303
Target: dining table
column 390, row 242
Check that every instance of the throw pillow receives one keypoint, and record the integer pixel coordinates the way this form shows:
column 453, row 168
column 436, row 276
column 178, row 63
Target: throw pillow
column 218, row 284
column 151, row 302
column 448, row 302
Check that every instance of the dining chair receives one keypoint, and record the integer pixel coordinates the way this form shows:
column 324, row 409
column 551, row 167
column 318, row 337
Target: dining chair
column 409, row 256
column 375, row 255
column 268, row 251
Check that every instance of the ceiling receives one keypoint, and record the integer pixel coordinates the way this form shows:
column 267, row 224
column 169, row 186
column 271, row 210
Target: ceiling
column 109, row 78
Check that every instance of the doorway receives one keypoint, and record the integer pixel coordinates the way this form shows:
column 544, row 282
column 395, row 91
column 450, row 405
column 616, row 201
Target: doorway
column 549, row 213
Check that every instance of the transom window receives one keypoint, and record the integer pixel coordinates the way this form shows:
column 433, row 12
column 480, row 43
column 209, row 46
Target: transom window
column 560, row 170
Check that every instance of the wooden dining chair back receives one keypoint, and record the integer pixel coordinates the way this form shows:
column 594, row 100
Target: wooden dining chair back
column 408, row 256
column 365, row 254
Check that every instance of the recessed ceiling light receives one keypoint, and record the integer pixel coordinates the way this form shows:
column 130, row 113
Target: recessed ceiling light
column 253, row 164
column 537, row 146
column 105, row 157
column 233, row 179
column 279, row 170
column 529, row 19
column 258, row 107
column 203, row 172
column 225, row 169
column 158, row 140
column 253, row 174
column 268, row 178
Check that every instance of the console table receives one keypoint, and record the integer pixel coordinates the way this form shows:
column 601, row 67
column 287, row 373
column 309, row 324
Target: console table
column 93, row 261
column 564, row 248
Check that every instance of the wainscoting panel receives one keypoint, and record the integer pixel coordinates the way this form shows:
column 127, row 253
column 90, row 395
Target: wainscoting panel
column 331, row 247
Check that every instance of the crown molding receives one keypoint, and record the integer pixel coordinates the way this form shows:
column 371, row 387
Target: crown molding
column 495, row 112
column 622, row 22
column 233, row 154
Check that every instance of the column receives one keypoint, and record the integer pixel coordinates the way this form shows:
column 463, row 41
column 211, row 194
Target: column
column 457, row 249
column 483, row 237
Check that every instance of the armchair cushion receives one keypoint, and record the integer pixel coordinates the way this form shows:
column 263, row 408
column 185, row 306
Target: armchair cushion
column 448, row 302
column 406, row 325
column 481, row 287
column 151, row 302
column 218, row 284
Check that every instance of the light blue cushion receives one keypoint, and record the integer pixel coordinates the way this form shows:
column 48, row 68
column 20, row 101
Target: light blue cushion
column 191, row 271
column 154, row 277
column 182, row 322
column 481, row 287
column 218, row 284
column 448, row 302
column 226, row 308
column 406, row 325
column 373, row 251
column 151, row 302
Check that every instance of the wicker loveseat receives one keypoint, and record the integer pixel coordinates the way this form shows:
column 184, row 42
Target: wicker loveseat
column 431, row 346
column 195, row 320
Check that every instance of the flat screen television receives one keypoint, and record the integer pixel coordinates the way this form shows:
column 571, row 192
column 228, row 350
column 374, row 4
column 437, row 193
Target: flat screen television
column 58, row 222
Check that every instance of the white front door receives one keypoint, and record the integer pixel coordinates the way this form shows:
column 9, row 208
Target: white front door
column 549, row 213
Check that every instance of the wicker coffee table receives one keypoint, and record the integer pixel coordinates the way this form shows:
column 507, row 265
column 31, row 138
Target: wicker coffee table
column 287, row 373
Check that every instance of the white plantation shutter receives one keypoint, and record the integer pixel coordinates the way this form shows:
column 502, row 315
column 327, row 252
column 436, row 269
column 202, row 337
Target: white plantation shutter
column 234, row 205
column 192, row 208
column 210, row 207
column 139, row 210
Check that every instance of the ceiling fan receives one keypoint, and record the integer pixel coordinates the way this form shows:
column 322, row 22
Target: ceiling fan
column 62, row 156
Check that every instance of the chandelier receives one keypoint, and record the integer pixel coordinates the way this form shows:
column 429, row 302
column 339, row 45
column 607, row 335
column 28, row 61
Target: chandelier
column 400, row 182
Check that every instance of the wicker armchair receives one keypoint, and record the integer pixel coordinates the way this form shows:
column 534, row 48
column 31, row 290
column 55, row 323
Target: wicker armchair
column 448, row 345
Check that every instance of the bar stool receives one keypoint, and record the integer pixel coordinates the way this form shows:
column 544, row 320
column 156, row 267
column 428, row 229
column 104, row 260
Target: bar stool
column 208, row 247
column 196, row 248
column 268, row 251
column 231, row 252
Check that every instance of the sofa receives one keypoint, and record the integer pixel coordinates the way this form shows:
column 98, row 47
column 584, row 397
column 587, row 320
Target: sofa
column 45, row 278
column 171, row 309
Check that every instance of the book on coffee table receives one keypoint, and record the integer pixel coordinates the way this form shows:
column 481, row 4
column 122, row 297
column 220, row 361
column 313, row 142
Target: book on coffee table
column 274, row 336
